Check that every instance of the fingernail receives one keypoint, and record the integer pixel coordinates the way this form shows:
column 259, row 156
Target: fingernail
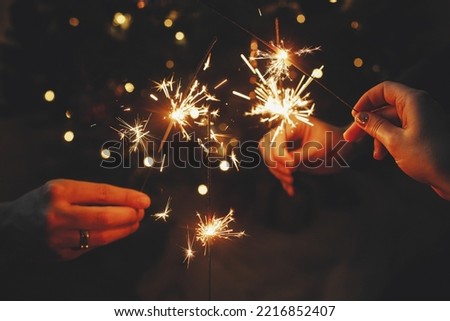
column 362, row 119
column 144, row 201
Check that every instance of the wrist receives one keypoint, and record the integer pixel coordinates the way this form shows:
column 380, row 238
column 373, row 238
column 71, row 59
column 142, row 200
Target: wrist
column 442, row 186
column 441, row 179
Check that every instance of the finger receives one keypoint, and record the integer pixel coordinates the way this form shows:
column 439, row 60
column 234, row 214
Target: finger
column 78, row 192
column 286, row 178
column 289, row 189
column 70, row 239
column 379, row 151
column 379, row 128
column 385, row 93
column 94, row 217
column 354, row 132
column 268, row 151
column 280, row 169
column 70, row 254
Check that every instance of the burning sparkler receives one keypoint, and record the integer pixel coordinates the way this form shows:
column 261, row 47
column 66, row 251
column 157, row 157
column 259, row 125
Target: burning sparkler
column 283, row 105
column 279, row 59
column 184, row 105
column 280, row 103
column 211, row 228
column 276, row 102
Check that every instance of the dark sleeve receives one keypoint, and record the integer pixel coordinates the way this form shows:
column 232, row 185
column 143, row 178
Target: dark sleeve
column 23, row 230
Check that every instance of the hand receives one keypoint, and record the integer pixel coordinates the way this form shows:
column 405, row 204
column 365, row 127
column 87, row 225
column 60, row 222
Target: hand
column 321, row 150
column 411, row 127
column 65, row 207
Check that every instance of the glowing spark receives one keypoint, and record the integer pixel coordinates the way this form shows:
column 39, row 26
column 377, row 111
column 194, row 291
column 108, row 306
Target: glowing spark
column 165, row 214
column 259, row 11
column 189, row 253
column 204, row 120
column 211, row 228
column 162, row 163
column 249, row 65
column 216, row 137
column 136, row 134
column 215, row 113
column 221, row 83
column 283, row 105
column 241, row 95
column 260, row 75
column 207, row 63
column 234, row 160
column 205, row 149
column 152, row 96
column 184, row 105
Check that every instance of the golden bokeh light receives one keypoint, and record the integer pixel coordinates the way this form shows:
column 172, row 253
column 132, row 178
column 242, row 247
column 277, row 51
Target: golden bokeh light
column 354, row 24
column 122, row 20
column 149, row 161
column 202, row 189
column 69, row 136
column 168, row 23
column 301, row 18
column 179, row 36
column 49, row 95
column 129, row 87
column 74, row 21
column 358, row 62
column 105, row 153
column 224, row 165
column 170, row 64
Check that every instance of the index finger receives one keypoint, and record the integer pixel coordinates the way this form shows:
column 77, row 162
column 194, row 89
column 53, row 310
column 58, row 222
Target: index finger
column 386, row 93
column 80, row 192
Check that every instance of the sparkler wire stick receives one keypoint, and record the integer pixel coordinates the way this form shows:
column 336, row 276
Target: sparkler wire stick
column 277, row 32
column 274, row 48
column 208, row 179
column 277, row 39
column 145, row 181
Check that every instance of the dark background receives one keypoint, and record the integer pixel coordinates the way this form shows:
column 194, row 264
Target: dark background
column 368, row 233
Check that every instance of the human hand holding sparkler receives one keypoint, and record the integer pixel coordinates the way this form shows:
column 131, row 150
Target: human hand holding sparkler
column 305, row 148
column 412, row 127
column 72, row 217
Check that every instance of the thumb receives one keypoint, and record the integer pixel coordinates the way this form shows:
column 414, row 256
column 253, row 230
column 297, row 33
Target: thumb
column 378, row 127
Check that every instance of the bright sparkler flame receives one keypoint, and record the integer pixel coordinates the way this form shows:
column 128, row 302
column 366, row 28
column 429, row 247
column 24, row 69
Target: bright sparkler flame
column 185, row 105
column 211, row 228
column 285, row 105
column 136, row 134
column 275, row 102
column 279, row 59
